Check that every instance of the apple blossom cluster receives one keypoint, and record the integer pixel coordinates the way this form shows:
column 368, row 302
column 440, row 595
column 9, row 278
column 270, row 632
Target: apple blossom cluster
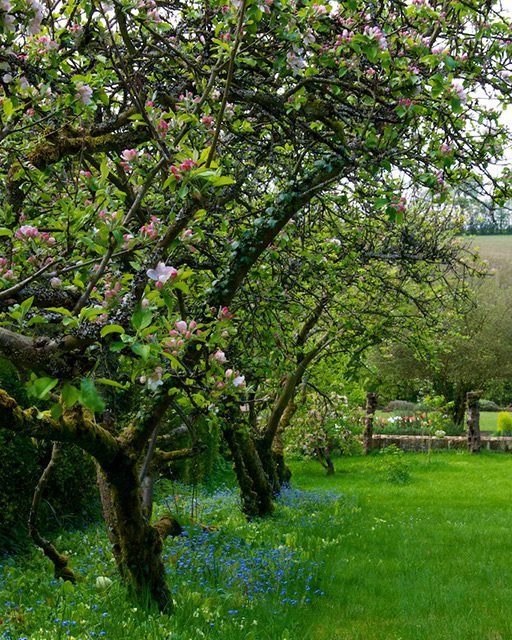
column 148, row 11
column 5, row 272
column 154, row 380
column 110, row 218
column 376, row 33
column 161, row 274
column 128, row 156
column 458, row 90
column 182, row 332
column 152, row 228
column 83, row 93
column 29, row 232
column 33, row 10
column 183, row 168
column 399, row 204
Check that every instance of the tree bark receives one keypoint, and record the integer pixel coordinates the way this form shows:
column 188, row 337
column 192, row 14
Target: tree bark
column 371, row 405
column 139, row 555
column 59, row 560
column 473, row 421
column 255, row 486
column 459, row 404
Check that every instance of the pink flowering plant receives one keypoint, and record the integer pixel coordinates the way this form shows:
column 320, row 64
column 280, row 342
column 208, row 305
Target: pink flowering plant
column 197, row 204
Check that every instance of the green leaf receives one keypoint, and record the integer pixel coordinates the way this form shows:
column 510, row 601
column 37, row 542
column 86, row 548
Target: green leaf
column 112, row 383
column 117, row 346
column 111, row 328
column 69, row 395
column 41, row 387
column 26, row 304
column 141, row 319
column 141, row 350
column 220, row 181
column 56, row 411
column 8, row 107
column 89, row 396
column 104, row 168
column 5, row 232
column 63, row 311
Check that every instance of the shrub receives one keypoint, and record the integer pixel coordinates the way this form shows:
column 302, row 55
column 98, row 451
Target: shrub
column 419, row 424
column 393, row 465
column 504, row 423
column 70, row 497
column 488, row 405
column 403, row 407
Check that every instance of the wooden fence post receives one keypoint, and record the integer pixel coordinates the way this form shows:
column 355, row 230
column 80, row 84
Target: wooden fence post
column 371, row 405
column 473, row 421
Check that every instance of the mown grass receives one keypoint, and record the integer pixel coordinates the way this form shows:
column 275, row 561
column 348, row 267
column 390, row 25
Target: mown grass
column 428, row 559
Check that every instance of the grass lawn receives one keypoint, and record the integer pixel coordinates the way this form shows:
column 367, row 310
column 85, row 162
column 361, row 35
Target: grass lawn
column 430, row 559
column 489, row 420
column 345, row 557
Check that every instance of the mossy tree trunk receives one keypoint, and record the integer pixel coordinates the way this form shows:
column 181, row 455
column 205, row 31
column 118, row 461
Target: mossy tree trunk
column 255, row 486
column 473, row 401
column 371, row 405
column 139, row 544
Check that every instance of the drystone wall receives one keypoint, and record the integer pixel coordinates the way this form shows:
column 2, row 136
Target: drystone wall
column 420, row 443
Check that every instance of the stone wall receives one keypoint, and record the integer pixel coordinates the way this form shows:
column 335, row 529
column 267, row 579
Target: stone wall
column 420, row 443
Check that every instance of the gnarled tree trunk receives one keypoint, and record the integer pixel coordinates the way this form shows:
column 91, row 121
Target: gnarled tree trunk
column 371, row 405
column 473, row 421
column 138, row 545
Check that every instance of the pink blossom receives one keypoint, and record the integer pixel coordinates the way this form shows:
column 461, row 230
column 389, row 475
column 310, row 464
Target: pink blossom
column 162, row 273
column 155, row 379
column 181, row 325
column 228, row 373
column 225, row 313
column 83, row 93
column 162, row 127
column 55, row 283
column 176, row 173
column 220, row 356
column 151, row 229
column 319, row 9
column 129, row 155
column 192, row 325
column 239, row 381
column 188, row 164
column 458, row 89
column 26, row 231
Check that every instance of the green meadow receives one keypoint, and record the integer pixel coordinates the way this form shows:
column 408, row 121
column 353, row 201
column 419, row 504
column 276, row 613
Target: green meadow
column 353, row 556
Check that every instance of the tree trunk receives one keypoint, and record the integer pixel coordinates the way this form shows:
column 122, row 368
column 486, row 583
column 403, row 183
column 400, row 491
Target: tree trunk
column 371, row 405
column 283, row 471
column 59, row 560
column 324, row 457
column 139, row 545
column 459, row 405
column 473, row 421
column 255, row 488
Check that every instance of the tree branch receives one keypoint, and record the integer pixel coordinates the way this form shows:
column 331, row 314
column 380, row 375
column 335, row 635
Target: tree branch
column 75, row 426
